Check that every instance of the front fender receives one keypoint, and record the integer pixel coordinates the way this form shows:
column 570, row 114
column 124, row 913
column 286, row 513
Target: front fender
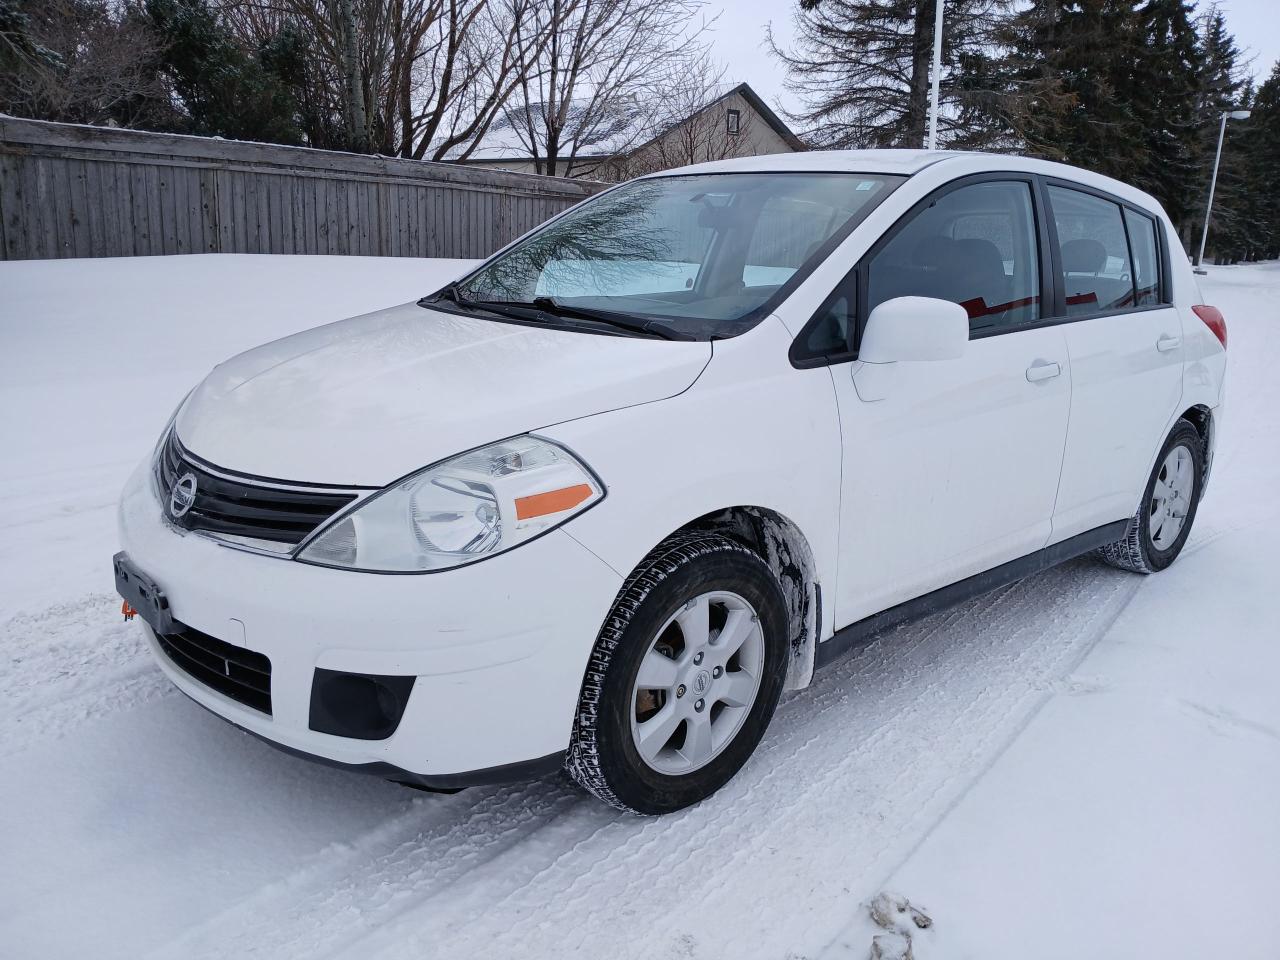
column 752, row 431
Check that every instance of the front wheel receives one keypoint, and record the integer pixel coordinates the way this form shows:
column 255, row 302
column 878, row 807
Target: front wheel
column 684, row 676
column 1158, row 531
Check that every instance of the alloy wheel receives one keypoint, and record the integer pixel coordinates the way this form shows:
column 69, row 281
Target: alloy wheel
column 697, row 683
column 1171, row 497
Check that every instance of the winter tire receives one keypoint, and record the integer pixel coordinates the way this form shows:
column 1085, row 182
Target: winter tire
column 1157, row 532
column 684, row 676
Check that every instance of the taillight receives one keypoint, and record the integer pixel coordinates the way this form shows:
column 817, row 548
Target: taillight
column 1214, row 320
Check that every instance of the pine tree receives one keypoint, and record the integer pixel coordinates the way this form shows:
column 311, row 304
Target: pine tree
column 861, row 69
column 1162, row 91
column 1220, row 88
column 19, row 49
column 1085, row 52
column 1263, row 154
column 226, row 89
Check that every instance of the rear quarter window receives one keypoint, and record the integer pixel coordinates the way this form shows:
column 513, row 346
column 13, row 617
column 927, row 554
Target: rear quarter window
column 1146, row 258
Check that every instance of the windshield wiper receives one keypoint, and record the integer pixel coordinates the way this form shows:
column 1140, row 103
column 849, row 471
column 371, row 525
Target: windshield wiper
column 514, row 309
column 623, row 321
column 451, row 292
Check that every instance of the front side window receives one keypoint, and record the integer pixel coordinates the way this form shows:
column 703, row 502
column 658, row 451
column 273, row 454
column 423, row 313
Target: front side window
column 705, row 255
column 1097, row 274
column 1146, row 258
column 975, row 246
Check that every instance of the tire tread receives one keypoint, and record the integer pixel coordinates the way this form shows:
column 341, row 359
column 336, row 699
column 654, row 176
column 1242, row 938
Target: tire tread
column 1130, row 551
column 582, row 761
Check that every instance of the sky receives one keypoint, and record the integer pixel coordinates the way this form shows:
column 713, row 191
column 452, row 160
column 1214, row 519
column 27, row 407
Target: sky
column 738, row 39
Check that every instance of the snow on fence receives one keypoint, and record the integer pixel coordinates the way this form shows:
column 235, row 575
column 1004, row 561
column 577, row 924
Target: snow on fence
column 79, row 191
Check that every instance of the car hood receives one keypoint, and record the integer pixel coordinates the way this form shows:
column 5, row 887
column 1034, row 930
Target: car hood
column 365, row 401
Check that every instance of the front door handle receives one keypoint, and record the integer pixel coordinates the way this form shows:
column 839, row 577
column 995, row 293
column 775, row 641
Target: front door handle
column 1043, row 370
column 1167, row 343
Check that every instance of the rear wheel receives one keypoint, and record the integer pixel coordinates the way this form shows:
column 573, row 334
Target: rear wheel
column 1158, row 531
column 684, row 677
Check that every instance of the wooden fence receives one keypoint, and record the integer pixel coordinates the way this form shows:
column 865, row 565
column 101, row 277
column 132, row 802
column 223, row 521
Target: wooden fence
column 77, row 191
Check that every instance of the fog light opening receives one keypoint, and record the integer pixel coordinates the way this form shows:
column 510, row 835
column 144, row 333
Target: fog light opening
column 360, row 706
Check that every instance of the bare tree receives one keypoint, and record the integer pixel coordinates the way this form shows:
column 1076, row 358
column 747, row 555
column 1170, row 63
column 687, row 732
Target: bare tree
column 599, row 69
column 471, row 72
column 413, row 78
column 81, row 61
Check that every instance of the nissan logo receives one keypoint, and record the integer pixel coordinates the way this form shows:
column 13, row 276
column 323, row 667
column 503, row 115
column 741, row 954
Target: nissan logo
column 182, row 496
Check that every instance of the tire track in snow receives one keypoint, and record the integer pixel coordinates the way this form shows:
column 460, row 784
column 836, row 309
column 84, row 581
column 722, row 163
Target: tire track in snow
column 333, row 900
column 348, row 890
column 533, row 861
column 960, row 680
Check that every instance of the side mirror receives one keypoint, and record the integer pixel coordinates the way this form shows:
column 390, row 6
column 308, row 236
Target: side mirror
column 915, row 328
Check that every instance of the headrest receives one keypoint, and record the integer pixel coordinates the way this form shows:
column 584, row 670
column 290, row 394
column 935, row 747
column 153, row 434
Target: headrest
column 1083, row 255
column 935, row 251
column 979, row 258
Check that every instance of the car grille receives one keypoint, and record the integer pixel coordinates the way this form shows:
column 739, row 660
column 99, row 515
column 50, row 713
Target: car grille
column 231, row 507
column 242, row 675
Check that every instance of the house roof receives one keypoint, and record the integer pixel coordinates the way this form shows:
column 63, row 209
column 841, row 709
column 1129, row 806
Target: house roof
column 769, row 117
column 621, row 134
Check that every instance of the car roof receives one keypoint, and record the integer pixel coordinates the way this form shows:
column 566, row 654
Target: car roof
column 901, row 162
column 954, row 163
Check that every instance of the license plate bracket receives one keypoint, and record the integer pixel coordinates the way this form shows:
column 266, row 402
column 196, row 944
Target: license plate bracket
column 143, row 594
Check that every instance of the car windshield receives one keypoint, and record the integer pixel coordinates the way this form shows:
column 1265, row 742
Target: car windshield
column 698, row 256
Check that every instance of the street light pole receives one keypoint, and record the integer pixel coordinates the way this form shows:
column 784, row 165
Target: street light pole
column 937, row 71
column 1213, row 181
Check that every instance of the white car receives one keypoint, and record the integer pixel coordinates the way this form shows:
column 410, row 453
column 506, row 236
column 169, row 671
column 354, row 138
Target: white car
column 595, row 505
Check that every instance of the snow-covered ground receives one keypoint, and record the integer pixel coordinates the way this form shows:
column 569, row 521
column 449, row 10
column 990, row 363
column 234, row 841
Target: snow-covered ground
column 1085, row 764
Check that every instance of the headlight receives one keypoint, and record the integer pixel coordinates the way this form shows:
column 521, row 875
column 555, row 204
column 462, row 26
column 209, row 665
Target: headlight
column 462, row 510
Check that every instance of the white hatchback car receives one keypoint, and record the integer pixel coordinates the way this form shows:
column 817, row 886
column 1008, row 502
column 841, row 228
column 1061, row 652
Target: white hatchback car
column 598, row 503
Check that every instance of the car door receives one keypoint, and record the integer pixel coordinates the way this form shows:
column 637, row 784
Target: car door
column 949, row 467
column 1125, row 345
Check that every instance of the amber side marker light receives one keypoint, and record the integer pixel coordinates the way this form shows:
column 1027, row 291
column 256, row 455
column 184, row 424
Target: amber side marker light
column 553, row 501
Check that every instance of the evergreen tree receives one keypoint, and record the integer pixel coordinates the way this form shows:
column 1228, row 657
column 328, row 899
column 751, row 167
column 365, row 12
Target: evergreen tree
column 227, row 90
column 861, row 68
column 19, row 48
column 1263, row 156
column 1112, row 86
column 1221, row 87
column 1069, row 83
column 1161, row 89
column 291, row 55
column 1030, row 97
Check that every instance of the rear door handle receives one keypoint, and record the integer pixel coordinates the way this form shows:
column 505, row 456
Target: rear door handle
column 1167, row 343
column 1043, row 370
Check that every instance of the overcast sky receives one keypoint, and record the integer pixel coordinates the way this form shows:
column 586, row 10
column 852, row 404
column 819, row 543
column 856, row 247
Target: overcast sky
column 738, row 38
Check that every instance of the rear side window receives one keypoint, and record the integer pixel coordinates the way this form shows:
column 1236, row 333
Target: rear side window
column 1146, row 258
column 1097, row 274
column 975, row 246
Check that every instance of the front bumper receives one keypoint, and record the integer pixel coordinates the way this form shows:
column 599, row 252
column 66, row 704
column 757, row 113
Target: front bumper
column 498, row 648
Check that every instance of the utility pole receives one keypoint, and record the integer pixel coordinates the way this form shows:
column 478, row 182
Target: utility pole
column 937, row 72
